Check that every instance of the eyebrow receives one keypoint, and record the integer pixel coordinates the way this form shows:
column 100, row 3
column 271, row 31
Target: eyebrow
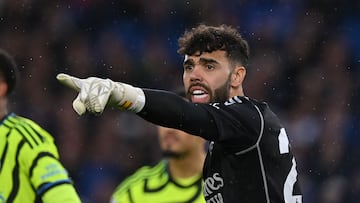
column 188, row 62
column 201, row 60
column 206, row 60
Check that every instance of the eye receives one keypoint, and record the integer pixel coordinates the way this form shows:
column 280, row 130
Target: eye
column 188, row 67
column 210, row 66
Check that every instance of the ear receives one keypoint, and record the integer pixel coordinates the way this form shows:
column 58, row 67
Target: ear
column 3, row 89
column 238, row 76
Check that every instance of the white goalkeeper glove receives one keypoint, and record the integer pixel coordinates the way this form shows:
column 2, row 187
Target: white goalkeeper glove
column 96, row 93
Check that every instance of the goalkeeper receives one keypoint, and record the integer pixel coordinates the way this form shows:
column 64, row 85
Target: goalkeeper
column 30, row 170
column 249, row 158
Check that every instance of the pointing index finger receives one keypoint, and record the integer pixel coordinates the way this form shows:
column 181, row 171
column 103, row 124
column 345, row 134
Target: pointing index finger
column 70, row 81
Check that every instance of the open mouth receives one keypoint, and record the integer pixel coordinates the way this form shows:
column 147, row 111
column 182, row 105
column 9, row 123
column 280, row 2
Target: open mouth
column 199, row 95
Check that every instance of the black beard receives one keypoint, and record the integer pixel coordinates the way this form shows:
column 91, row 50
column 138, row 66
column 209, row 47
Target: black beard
column 222, row 93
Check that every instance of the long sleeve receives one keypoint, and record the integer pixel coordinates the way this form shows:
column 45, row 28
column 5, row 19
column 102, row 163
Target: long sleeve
column 170, row 110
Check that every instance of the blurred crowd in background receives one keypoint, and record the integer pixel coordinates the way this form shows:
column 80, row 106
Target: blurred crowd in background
column 305, row 63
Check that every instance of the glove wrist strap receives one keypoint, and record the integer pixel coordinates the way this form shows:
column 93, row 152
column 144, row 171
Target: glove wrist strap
column 133, row 98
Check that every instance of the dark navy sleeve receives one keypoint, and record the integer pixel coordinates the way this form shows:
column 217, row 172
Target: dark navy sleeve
column 234, row 120
column 170, row 110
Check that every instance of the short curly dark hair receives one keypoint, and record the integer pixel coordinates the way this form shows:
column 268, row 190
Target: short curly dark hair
column 204, row 38
column 8, row 70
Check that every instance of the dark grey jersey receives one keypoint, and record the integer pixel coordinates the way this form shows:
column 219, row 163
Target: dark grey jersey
column 249, row 158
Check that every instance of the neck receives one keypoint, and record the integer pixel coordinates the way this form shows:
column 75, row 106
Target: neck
column 187, row 166
column 236, row 92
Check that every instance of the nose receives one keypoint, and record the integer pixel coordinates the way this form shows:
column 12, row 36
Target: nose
column 195, row 74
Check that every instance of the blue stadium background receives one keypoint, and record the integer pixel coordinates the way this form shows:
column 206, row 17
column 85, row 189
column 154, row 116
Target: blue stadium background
column 305, row 62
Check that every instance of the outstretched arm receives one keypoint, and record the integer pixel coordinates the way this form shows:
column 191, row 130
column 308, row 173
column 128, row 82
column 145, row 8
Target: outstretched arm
column 159, row 107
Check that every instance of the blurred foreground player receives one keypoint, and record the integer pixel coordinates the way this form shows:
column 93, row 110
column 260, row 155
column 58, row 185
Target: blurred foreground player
column 176, row 178
column 30, row 170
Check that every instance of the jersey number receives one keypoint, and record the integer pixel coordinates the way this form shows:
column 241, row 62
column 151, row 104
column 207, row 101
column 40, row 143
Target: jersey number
column 291, row 178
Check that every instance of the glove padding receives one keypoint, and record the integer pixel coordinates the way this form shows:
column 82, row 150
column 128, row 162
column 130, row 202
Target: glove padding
column 96, row 93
